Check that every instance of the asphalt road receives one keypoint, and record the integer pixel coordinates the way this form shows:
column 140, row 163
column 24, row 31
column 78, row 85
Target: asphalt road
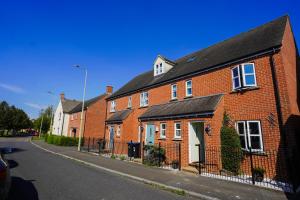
column 40, row 175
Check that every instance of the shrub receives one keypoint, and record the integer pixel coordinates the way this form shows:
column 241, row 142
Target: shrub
column 231, row 151
column 61, row 140
column 155, row 156
column 122, row 157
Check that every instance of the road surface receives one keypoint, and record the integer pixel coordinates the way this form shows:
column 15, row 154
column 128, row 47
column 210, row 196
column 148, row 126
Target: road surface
column 37, row 174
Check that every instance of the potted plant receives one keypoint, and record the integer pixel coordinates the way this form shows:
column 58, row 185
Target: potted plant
column 258, row 174
column 175, row 164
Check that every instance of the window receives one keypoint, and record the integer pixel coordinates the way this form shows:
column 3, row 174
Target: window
column 160, row 68
column 156, row 70
column 144, row 99
column 72, row 117
column 188, row 88
column 174, row 91
column 119, row 130
column 243, row 76
column 163, row 130
column 250, row 135
column 112, row 106
column 129, row 102
column 177, row 130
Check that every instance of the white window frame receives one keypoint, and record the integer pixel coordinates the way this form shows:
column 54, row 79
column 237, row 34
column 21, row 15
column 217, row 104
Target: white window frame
column 234, row 77
column 118, row 131
column 186, row 88
column 248, row 136
column 129, row 102
column 163, row 130
column 144, row 99
column 244, row 75
column 156, row 69
column 112, row 106
column 172, row 91
column 175, row 129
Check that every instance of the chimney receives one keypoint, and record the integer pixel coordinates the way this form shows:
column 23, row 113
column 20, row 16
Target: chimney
column 109, row 89
column 62, row 96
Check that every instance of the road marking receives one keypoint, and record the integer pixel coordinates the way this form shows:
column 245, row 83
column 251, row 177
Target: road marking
column 143, row 180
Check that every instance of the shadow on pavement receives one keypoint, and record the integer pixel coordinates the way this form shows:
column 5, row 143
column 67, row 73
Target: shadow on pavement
column 22, row 189
column 12, row 164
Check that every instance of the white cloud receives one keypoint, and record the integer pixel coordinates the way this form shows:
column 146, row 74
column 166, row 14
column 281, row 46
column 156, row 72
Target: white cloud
column 36, row 106
column 12, row 88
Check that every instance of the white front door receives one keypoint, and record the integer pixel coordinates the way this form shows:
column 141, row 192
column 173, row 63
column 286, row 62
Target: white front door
column 196, row 136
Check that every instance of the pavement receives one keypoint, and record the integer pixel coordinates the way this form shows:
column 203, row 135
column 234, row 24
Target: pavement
column 193, row 185
column 38, row 174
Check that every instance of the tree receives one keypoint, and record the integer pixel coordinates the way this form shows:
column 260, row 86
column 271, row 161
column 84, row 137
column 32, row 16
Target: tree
column 46, row 115
column 12, row 118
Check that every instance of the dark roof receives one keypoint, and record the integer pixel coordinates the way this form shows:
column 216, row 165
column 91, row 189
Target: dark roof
column 255, row 41
column 194, row 107
column 68, row 105
column 118, row 116
column 87, row 103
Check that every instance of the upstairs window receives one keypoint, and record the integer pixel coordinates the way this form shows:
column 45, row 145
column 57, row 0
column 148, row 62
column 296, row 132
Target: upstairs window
column 174, row 91
column 112, row 106
column 129, row 102
column 163, row 130
column 144, row 99
column 243, row 76
column 159, row 69
column 188, row 88
column 250, row 135
column 156, row 69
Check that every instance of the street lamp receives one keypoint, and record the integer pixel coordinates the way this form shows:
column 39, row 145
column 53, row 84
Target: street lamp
column 82, row 108
column 41, row 123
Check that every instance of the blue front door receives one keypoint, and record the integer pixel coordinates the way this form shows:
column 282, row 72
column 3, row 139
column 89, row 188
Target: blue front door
column 111, row 137
column 150, row 134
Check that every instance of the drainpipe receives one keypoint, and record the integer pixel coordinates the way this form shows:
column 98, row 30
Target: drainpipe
column 279, row 113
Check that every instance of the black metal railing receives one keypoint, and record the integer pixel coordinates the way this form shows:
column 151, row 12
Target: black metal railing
column 162, row 155
column 267, row 168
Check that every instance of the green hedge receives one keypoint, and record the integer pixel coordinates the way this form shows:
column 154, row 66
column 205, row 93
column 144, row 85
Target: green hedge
column 231, row 150
column 61, row 140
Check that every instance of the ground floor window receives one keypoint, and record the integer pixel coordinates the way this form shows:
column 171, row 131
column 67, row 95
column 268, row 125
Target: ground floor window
column 250, row 135
column 177, row 130
column 163, row 130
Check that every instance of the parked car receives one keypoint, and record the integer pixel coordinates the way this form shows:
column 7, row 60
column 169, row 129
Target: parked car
column 5, row 178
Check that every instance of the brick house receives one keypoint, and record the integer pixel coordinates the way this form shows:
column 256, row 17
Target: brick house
column 93, row 117
column 253, row 77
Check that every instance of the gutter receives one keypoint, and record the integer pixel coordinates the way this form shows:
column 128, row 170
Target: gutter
column 198, row 72
column 195, row 115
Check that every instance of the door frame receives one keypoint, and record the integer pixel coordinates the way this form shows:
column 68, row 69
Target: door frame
column 111, row 129
column 189, row 135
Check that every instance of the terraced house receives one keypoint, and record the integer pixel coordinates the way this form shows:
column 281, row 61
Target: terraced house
column 253, row 77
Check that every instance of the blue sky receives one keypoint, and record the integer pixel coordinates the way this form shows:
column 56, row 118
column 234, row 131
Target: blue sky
column 115, row 40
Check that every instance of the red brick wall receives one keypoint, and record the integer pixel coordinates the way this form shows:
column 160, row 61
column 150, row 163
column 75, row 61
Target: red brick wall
column 75, row 123
column 95, row 119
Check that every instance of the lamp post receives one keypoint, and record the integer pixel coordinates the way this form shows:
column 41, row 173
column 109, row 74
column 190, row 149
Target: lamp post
column 82, row 108
column 41, row 123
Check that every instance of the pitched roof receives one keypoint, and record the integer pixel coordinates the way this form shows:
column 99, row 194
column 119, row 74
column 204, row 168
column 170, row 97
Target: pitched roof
column 118, row 116
column 194, row 107
column 68, row 105
column 87, row 103
column 255, row 41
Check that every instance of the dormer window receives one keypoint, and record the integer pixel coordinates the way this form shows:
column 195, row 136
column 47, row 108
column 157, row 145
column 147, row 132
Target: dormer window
column 112, row 106
column 162, row 65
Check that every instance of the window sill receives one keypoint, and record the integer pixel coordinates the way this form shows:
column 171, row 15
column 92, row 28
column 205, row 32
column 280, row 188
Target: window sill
column 112, row 111
column 161, row 138
column 188, row 97
column 177, row 139
column 256, row 153
column 241, row 90
column 141, row 107
column 173, row 100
